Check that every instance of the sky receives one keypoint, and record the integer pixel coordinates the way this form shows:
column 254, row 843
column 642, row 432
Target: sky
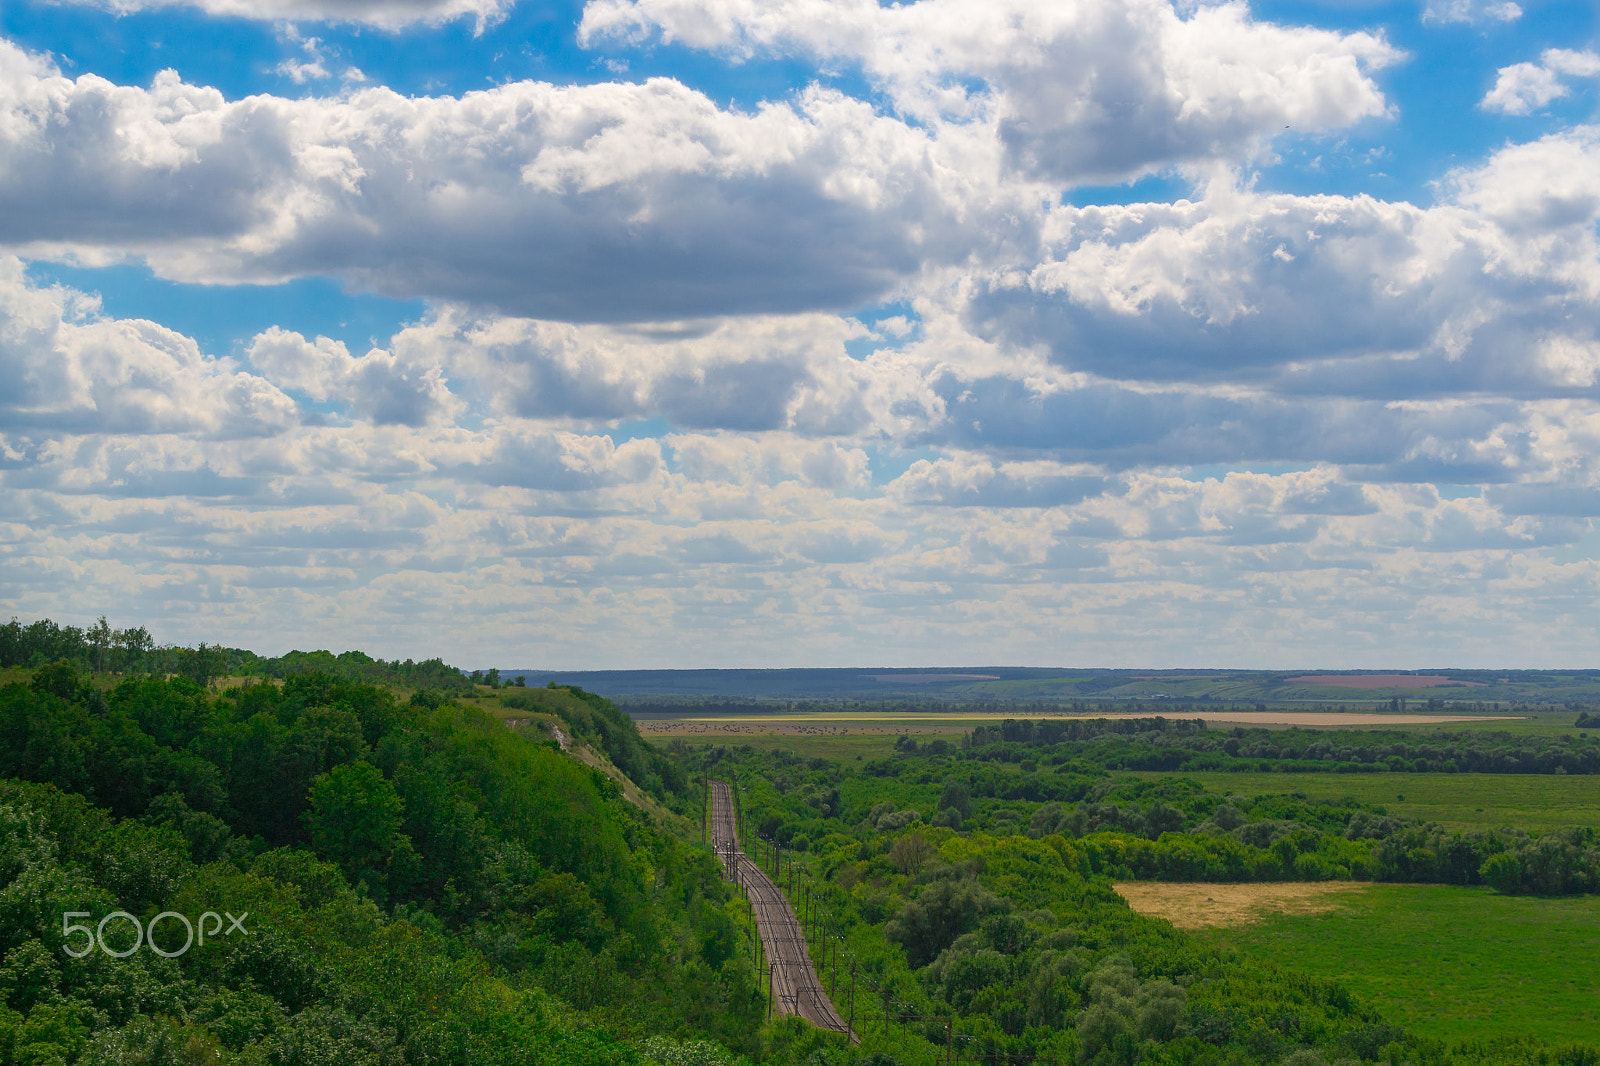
column 715, row 333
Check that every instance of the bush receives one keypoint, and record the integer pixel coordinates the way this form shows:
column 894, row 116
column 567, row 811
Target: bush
column 894, row 820
column 943, row 911
column 1503, row 871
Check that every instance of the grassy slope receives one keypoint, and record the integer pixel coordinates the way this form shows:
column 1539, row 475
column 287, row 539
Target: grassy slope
column 542, row 726
column 1466, row 801
column 1453, row 963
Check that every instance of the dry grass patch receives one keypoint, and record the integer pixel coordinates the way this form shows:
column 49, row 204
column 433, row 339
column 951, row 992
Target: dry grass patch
column 1204, row 906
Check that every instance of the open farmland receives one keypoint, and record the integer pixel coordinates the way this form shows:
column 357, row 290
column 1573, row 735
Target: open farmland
column 959, row 718
column 1531, row 966
column 1385, row 681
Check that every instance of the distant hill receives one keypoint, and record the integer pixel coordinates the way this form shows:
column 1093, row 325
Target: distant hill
column 1056, row 684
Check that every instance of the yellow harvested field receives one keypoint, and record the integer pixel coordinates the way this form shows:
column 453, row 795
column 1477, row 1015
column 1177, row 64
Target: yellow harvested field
column 816, row 727
column 1202, row 906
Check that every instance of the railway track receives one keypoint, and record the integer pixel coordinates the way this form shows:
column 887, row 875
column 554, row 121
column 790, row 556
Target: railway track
column 795, row 988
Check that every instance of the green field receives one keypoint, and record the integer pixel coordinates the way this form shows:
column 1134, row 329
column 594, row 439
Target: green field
column 1541, row 723
column 1452, row 963
column 1465, row 801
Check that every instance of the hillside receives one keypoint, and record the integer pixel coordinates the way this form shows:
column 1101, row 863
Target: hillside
column 649, row 690
column 423, row 884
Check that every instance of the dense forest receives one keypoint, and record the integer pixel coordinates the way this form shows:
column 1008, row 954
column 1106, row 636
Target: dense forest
column 423, row 884
column 420, row 881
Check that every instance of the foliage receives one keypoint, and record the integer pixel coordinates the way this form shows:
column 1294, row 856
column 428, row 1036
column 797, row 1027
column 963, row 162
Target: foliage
column 1172, row 745
column 1004, row 940
column 100, row 648
column 355, row 821
column 429, row 885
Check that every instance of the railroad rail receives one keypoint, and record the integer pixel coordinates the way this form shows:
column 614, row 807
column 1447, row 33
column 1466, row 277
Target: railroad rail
column 794, row 988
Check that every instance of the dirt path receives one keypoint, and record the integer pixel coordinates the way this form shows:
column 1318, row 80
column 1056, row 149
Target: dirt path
column 795, row 988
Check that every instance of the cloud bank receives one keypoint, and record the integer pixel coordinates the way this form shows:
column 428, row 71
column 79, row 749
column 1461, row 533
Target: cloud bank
column 825, row 377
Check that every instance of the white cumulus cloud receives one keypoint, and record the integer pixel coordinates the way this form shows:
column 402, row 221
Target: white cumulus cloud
column 1525, row 87
column 600, row 202
column 378, row 386
column 1077, row 90
column 1329, row 295
column 67, row 368
column 385, row 14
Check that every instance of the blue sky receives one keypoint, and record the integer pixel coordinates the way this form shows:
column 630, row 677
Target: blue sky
column 806, row 332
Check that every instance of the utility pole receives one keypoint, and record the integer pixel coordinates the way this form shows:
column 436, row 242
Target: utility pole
column 852, row 995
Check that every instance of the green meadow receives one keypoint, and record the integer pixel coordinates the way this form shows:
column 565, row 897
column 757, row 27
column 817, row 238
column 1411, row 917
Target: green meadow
column 1465, row 801
column 1447, row 962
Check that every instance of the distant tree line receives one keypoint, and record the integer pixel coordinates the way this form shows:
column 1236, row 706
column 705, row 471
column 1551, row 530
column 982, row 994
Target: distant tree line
column 1059, row 730
column 102, row 649
column 1164, row 744
column 98, row 647
column 358, row 666
column 1021, row 709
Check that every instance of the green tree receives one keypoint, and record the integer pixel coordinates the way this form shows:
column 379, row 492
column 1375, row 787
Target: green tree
column 60, row 678
column 355, row 821
column 940, row 913
column 1503, row 871
column 100, row 637
column 956, row 797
